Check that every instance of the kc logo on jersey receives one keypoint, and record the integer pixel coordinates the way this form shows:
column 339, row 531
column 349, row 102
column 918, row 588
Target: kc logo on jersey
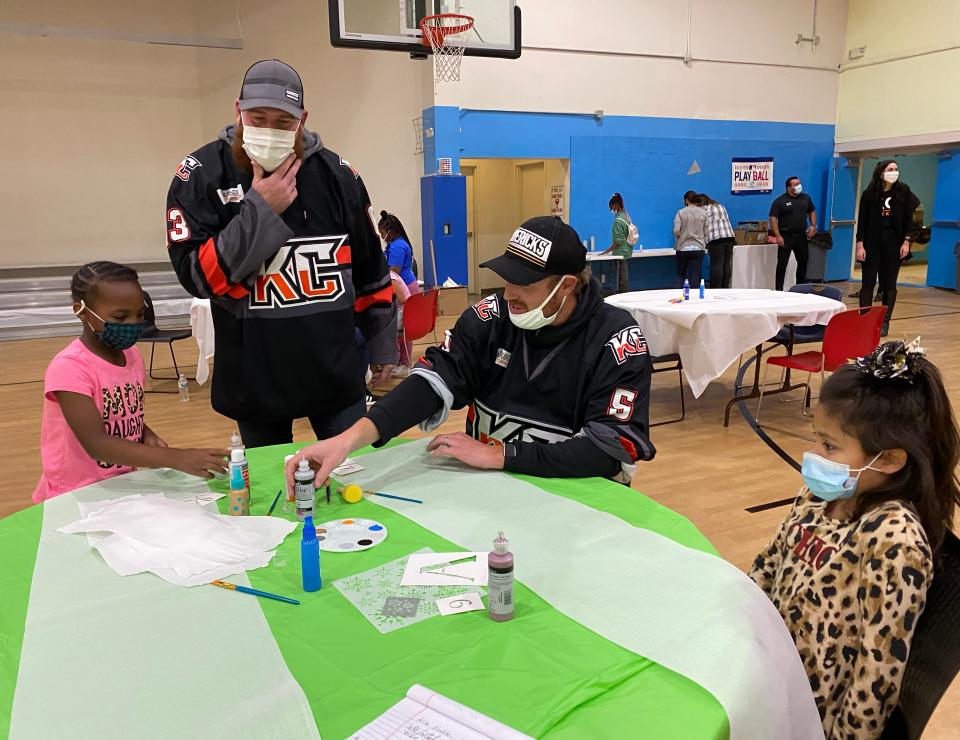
column 532, row 247
column 627, row 343
column 487, row 308
column 187, row 165
column 300, row 273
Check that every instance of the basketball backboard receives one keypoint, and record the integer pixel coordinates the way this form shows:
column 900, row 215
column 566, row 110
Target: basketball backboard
column 394, row 25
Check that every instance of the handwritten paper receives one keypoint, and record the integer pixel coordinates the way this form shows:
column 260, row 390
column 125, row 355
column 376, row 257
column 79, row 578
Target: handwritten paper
column 426, row 715
column 469, row 602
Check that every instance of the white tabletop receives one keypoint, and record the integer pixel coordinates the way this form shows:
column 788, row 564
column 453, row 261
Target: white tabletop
column 710, row 334
column 637, row 254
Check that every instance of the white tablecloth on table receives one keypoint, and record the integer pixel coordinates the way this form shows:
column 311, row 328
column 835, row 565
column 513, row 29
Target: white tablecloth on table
column 755, row 266
column 201, row 322
column 710, row 334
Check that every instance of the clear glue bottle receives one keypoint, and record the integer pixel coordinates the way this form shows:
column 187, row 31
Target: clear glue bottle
column 500, row 581
column 303, row 490
column 239, row 490
column 182, row 388
column 310, row 557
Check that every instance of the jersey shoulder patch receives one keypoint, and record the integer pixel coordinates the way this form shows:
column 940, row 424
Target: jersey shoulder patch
column 627, row 343
column 187, row 165
column 488, row 308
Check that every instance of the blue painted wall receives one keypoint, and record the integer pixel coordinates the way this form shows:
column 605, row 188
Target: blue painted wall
column 646, row 159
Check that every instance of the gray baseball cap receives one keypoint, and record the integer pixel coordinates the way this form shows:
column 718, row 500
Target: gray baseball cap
column 272, row 84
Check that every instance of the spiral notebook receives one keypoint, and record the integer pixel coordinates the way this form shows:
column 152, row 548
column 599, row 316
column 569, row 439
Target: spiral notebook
column 424, row 714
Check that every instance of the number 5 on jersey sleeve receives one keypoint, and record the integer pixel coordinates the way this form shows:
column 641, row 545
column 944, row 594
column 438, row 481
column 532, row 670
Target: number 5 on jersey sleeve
column 621, row 404
column 178, row 230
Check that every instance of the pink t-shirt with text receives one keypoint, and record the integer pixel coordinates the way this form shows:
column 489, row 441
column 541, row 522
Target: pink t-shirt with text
column 117, row 392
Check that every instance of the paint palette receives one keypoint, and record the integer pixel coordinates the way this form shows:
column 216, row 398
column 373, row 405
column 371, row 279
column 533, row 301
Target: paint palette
column 350, row 535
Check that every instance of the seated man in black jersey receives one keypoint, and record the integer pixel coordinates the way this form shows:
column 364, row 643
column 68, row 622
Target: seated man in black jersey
column 556, row 382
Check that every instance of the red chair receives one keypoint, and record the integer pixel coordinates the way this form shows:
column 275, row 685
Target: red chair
column 848, row 335
column 420, row 316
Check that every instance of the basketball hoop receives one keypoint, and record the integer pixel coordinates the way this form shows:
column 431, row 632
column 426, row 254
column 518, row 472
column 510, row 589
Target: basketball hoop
column 447, row 35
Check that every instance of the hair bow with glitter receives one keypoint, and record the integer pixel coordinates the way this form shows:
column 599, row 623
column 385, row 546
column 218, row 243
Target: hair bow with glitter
column 893, row 360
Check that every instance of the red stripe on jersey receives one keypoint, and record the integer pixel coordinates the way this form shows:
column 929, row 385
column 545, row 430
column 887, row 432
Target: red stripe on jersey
column 343, row 255
column 630, row 447
column 384, row 295
column 214, row 275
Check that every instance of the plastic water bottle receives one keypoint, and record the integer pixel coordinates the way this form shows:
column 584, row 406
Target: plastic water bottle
column 310, row 557
column 686, row 289
column 702, row 289
column 182, row 387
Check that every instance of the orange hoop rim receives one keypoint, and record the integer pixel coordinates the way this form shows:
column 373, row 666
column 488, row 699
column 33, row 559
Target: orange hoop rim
column 441, row 32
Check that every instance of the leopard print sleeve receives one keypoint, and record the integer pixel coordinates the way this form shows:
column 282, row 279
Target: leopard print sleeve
column 896, row 568
column 767, row 563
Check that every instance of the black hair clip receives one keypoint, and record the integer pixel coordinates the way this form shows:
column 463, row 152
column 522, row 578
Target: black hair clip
column 893, row 360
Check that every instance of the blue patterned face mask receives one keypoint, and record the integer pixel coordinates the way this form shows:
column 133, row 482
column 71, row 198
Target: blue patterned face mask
column 116, row 335
column 829, row 480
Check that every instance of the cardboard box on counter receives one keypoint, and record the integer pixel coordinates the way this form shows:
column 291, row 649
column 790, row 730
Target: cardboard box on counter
column 452, row 301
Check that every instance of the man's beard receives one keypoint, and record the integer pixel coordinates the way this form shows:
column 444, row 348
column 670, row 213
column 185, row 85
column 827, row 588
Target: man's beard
column 242, row 159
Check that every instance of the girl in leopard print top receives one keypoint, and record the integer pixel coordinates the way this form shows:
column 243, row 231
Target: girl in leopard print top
column 850, row 566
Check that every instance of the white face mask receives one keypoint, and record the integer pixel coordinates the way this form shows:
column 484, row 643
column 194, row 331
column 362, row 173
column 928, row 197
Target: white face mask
column 797, row 189
column 534, row 318
column 268, row 147
column 891, row 176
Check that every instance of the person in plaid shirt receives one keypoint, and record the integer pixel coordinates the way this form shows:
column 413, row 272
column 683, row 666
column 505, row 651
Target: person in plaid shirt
column 720, row 242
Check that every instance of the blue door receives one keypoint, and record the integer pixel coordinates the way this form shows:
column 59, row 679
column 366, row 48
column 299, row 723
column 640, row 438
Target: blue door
column 942, row 266
column 842, row 199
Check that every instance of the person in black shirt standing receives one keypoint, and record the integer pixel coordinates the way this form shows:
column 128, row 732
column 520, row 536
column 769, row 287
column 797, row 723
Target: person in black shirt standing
column 788, row 223
column 884, row 226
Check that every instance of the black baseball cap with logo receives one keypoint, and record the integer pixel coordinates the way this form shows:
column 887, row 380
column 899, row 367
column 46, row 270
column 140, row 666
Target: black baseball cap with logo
column 270, row 83
column 541, row 247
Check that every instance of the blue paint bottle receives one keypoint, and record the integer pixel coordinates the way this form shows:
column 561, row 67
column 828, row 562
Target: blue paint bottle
column 702, row 289
column 686, row 289
column 310, row 557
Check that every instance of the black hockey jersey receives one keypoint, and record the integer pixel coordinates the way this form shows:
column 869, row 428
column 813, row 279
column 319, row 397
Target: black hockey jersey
column 564, row 396
column 286, row 291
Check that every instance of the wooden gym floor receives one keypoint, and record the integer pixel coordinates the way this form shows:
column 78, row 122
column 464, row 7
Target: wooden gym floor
column 710, row 474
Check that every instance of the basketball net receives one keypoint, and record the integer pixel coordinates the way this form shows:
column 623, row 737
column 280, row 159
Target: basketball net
column 446, row 35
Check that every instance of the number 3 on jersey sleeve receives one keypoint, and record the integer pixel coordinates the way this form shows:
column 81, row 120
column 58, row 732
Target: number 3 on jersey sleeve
column 178, row 230
column 621, row 404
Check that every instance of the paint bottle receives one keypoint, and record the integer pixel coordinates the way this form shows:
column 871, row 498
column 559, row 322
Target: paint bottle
column 702, row 289
column 303, row 490
column 500, row 581
column 239, row 499
column 686, row 289
column 236, row 443
column 310, row 557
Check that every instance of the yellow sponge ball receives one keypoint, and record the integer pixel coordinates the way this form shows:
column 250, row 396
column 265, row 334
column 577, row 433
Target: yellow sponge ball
column 352, row 493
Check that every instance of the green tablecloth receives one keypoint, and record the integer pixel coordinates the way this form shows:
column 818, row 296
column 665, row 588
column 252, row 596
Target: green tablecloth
column 542, row 673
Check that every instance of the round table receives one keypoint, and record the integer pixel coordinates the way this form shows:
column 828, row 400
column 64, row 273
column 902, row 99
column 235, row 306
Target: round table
column 88, row 652
column 710, row 334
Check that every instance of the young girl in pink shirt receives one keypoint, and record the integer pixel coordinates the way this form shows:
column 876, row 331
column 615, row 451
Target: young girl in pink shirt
column 93, row 424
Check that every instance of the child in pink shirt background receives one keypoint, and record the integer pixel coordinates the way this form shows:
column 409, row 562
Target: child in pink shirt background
column 93, row 425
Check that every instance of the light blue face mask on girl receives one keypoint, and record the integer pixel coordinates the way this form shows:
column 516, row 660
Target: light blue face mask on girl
column 829, row 480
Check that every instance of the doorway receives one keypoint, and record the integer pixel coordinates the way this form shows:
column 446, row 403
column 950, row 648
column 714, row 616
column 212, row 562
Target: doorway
column 919, row 172
column 502, row 194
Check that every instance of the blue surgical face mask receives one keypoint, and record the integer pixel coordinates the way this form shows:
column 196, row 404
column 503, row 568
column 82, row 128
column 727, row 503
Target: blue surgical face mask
column 116, row 335
column 829, row 480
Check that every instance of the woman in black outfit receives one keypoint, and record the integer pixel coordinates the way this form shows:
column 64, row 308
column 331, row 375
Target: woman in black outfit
column 884, row 225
